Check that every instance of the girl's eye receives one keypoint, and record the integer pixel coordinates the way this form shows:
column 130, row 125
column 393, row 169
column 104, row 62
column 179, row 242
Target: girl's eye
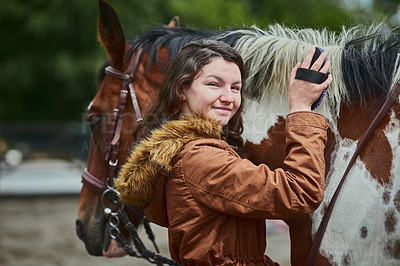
column 214, row 84
column 235, row 88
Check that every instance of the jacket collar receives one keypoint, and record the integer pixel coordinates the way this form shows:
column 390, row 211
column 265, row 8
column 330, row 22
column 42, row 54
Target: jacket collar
column 152, row 157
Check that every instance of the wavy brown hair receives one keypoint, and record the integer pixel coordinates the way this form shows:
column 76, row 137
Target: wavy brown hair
column 180, row 75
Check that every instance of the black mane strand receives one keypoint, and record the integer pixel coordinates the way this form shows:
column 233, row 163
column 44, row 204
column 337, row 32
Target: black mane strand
column 174, row 39
column 369, row 64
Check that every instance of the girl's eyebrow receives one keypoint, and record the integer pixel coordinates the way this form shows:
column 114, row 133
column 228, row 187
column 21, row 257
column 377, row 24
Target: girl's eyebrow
column 221, row 79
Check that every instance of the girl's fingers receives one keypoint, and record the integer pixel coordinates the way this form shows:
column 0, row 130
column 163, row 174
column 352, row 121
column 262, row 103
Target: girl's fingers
column 318, row 63
column 326, row 67
column 307, row 60
column 327, row 82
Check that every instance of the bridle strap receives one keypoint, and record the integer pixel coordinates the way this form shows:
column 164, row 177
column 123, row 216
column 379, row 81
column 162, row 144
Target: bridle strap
column 115, row 73
column 93, row 182
column 135, row 62
column 127, row 78
column 88, row 179
column 117, row 119
column 135, row 103
column 371, row 129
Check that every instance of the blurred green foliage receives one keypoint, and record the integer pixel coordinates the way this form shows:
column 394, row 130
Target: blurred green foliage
column 49, row 52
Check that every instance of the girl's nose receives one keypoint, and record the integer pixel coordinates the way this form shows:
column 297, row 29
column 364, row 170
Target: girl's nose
column 226, row 95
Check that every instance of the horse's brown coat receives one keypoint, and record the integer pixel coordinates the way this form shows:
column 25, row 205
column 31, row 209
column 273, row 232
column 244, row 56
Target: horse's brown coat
column 377, row 155
column 261, row 153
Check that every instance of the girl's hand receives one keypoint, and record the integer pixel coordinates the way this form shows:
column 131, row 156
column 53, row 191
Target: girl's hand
column 302, row 94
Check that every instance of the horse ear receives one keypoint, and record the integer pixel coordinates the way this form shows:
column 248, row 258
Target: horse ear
column 174, row 23
column 110, row 34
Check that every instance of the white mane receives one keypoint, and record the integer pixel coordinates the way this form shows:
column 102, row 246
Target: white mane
column 270, row 55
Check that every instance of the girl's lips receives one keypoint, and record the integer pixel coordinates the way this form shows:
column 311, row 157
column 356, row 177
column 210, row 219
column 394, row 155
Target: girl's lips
column 223, row 109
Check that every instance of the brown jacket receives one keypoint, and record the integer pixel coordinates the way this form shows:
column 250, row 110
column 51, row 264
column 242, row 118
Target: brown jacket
column 213, row 202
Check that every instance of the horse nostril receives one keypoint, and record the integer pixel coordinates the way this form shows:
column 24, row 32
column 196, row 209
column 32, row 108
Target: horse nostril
column 79, row 230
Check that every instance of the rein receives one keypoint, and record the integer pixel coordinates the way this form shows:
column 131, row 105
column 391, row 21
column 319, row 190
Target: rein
column 371, row 129
column 106, row 188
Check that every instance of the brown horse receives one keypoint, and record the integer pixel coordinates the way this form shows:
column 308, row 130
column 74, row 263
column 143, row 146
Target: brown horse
column 364, row 229
column 91, row 224
column 142, row 64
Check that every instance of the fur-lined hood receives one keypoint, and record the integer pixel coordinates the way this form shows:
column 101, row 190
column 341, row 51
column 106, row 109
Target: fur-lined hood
column 152, row 157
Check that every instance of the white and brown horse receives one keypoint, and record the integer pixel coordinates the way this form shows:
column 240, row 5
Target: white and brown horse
column 364, row 228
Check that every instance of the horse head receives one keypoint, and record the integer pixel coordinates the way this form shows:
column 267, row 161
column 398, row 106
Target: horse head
column 129, row 86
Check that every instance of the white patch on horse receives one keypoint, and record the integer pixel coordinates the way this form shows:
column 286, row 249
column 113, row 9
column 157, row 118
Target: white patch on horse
column 258, row 118
column 356, row 232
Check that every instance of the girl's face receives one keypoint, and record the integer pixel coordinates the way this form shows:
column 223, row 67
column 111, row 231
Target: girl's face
column 215, row 92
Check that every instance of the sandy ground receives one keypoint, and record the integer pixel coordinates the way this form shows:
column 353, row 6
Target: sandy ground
column 41, row 231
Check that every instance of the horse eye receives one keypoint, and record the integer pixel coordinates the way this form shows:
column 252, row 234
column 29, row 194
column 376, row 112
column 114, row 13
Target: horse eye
column 93, row 119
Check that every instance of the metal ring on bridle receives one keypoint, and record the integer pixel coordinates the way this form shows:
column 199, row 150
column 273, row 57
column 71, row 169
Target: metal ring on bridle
column 114, row 231
column 114, row 199
column 109, row 184
column 111, row 163
column 114, row 220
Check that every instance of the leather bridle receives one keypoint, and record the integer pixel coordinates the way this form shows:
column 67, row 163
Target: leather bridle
column 89, row 180
column 106, row 189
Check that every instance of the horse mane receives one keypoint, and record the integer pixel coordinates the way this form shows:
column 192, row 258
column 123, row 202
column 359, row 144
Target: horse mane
column 364, row 61
column 174, row 39
column 371, row 63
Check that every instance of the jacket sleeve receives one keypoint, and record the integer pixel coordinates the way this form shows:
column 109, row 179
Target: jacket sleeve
column 218, row 178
